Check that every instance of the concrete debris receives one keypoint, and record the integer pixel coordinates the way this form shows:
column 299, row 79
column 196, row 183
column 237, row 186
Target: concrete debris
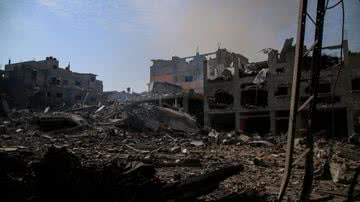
column 261, row 142
column 261, row 76
column 354, row 139
column 197, row 143
column 8, row 149
column 46, row 110
column 175, row 149
column 59, row 121
column 338, row 172
column 151, row 117
column 60, row 176
column 100, row 108
column 244, row 138
column 106, row 143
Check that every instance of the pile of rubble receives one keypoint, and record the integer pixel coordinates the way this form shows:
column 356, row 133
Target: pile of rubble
column 148, row 153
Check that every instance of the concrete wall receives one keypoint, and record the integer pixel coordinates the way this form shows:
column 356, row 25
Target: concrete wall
column 274, row 115
column 42, row 83
column 179, row 71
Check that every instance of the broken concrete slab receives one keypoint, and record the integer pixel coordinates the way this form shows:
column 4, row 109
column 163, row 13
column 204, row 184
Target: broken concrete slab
column 244, row 138
column 151, row 117
column 58, row 121
column 197, row 143
column 339, row 173
column 261, row 142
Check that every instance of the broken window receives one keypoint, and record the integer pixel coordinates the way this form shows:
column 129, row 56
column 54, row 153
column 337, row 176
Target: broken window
column 92, row 79
column 65, row 82
column 59, row 95
column 356, row 121
column 223, row 122
column 48, row 94
column 282, row 90
column 280, row 70
column 328, row 99
column 211, row 71
column 323, row 88
column 188, row 78
column 355, row 84
column 255, row 122
column 324, row 99
column 254, row 98
column 77, row 83
column 282, row 121
column 78, row 98
column 33, row 75
column 54, row 81
column 220, row 100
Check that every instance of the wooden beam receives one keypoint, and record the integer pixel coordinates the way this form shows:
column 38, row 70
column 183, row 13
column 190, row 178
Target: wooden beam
column 294, row 96
column 306, row 103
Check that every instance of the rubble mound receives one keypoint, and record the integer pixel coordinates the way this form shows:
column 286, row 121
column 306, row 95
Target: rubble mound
column 151, row 117
column 60, row 176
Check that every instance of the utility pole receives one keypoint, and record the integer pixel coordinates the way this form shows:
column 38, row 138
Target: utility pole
column 315, row 74
column 298, row 63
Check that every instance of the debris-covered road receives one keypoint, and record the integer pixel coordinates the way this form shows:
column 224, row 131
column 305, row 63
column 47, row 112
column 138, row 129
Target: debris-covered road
column 95, row 138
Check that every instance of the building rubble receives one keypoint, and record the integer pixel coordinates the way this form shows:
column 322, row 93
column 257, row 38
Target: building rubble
column 95, row 152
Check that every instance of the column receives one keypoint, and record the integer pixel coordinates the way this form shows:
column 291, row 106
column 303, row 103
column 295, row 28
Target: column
column 272, row 122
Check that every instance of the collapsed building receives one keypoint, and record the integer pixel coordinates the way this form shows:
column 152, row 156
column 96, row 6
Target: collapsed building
column 43, row 83
column 255, row 97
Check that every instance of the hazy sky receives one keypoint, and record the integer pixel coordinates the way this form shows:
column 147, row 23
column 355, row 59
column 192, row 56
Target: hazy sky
column 116, row 39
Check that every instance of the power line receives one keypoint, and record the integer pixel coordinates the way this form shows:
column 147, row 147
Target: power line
column 333, row 6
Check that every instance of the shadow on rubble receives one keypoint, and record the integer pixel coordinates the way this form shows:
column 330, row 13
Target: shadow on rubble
column 60, row 176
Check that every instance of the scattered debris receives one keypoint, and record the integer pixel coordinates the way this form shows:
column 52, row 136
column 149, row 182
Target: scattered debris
column 97, row 145
column 197, row 143
column 100, row 108
column 59, row 121
column 46, row 110
column 145, row 117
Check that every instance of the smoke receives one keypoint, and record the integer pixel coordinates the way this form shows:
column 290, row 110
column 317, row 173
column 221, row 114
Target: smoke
column 245, row 26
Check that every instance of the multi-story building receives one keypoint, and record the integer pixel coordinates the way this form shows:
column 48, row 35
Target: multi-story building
column 44, row 83
column 185, row 72
column 255, row 97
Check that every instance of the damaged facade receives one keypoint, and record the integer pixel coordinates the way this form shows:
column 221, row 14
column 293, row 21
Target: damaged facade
column 186, row 72
column 255, row 97
column 43, row 83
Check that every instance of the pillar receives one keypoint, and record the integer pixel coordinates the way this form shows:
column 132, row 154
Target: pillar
column 350, row 121
column 273, row 122
column 185, row 102
column 176, row 102
column 237, row 121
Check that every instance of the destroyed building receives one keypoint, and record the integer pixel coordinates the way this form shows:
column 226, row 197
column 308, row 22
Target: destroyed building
column 186, row 72
column 43, row 83
column 157, row 87
column 122, row 97
column 255, row 97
